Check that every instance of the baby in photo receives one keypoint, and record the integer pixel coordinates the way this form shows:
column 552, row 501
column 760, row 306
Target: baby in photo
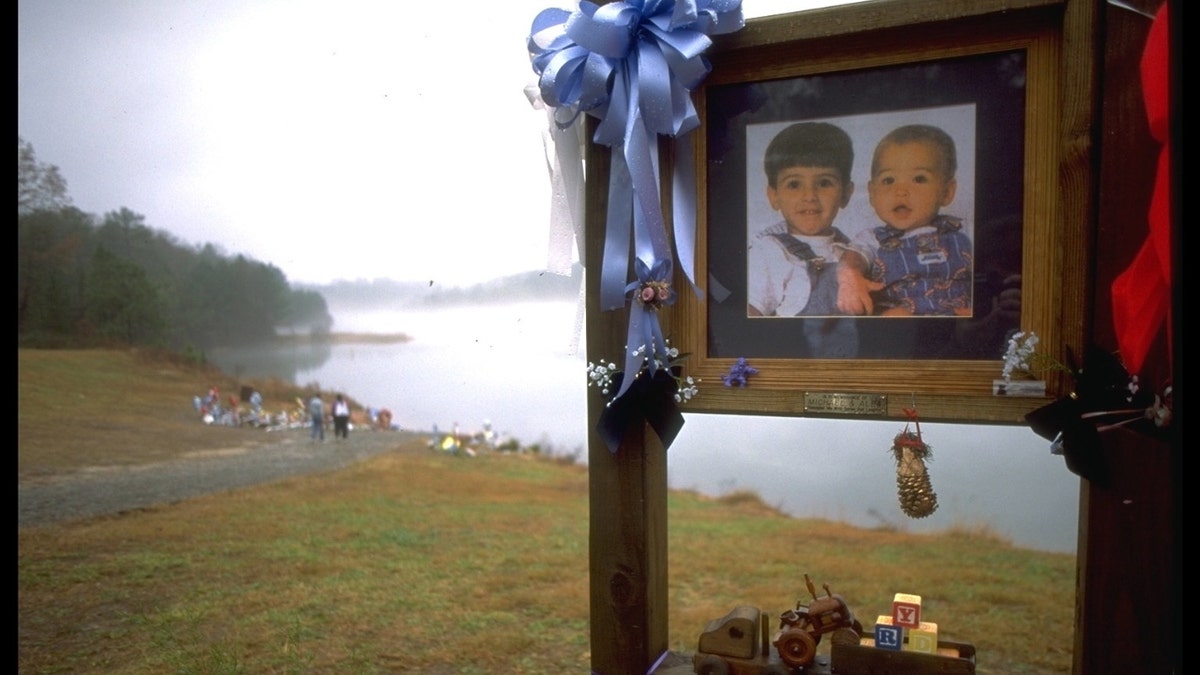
column 920, row 261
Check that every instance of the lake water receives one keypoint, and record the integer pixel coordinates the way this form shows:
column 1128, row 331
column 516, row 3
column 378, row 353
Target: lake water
column 520, row 367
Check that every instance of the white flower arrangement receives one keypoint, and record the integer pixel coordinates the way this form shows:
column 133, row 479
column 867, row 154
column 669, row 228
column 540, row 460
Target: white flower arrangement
column 1022, row 356
column 687, row 389
column 1022, row 348
column 600, row 375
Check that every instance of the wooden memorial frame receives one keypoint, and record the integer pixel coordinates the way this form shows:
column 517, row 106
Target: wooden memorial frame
column 1002, row 63
column 628, row 488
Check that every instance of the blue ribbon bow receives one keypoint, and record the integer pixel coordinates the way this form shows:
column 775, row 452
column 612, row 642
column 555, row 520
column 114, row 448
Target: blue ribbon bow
column 633, row 65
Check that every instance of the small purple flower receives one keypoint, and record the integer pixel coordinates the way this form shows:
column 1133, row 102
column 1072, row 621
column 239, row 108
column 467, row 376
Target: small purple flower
column 739, row 373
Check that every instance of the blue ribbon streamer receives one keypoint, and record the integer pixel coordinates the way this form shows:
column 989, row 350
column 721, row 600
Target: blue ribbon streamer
column 684, row 205
column 633, row 65
column 645, row 342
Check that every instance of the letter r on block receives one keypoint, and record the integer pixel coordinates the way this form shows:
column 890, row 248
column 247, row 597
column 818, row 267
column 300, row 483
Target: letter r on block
column 888, row 637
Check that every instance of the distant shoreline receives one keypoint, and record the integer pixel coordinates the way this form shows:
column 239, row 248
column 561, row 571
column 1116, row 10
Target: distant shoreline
column 344, row 338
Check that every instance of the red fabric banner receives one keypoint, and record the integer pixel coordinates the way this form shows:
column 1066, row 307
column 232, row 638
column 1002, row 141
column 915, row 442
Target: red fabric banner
column 1141, row 295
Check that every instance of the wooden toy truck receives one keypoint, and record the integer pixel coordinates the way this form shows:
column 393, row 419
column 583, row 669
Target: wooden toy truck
column 951, row 658
column 738, row 644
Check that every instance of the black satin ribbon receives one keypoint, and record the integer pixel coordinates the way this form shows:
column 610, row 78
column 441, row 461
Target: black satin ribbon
column 650, row 399
column 1101, row 384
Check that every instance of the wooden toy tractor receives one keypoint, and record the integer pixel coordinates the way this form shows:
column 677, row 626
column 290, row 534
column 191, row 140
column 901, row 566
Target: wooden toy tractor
column 800, row 629
column 739, row 642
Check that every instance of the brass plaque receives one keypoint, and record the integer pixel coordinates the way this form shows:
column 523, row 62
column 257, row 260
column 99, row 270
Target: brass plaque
column 827, row 403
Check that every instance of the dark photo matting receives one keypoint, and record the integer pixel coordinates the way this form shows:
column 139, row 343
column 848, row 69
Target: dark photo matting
column 979, row 101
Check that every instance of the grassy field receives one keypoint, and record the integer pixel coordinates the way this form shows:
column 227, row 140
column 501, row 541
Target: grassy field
column 421, row 562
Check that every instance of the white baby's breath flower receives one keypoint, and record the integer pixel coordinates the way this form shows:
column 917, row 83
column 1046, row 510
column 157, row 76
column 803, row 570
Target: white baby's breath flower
column 1019, row 356
column 602, row 374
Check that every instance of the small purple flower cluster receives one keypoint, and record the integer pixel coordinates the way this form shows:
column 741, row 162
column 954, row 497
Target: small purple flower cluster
column 738, row 373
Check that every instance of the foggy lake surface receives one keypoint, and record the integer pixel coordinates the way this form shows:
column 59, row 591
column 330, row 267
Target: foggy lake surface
column 521, row 368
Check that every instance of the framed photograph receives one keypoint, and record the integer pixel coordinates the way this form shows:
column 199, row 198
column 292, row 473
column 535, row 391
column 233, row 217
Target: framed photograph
column 934, row 281
column 930, row 151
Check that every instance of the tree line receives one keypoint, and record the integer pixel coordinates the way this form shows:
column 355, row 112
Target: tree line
column 84, row 280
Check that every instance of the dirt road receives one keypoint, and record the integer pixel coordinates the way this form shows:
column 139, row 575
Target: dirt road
column 99, row 491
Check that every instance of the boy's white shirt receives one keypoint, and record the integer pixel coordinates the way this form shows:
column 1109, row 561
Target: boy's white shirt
column 777, row 281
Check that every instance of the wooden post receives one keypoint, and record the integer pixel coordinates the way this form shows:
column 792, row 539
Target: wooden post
column 627, row 490
column 628, row 553
column 1129, row 580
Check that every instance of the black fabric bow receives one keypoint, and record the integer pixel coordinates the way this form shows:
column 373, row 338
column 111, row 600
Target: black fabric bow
column 650, row 399
column 1101, row 385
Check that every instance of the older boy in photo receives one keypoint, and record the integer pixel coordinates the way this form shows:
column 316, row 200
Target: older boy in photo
column 792, row 264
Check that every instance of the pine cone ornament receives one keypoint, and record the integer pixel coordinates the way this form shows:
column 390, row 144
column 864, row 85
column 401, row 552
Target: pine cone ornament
column 917, row 498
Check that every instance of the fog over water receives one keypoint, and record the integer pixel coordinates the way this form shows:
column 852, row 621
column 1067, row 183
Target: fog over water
column 521, row 367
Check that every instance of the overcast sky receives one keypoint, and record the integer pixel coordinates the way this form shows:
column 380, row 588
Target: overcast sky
column 349, row 140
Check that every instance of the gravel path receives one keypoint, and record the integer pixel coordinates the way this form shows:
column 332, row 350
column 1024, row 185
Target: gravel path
column 108, row 490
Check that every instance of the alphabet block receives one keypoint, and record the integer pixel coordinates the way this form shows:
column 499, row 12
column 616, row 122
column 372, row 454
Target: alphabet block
column 888, row 636
column 923, row 639
column 906, row 610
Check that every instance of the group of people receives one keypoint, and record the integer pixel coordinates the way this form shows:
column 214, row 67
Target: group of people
column 916, row 262
column 233, row 414
column 339, row 411
column 314, row 413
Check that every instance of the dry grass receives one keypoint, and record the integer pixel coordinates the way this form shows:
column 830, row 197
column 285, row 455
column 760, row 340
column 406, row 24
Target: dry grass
column 410, row 562
column 425, row 563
